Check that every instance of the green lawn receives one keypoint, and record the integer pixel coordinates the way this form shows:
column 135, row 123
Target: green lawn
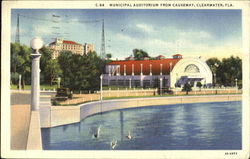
column 28, row 87
column 122, row 88
column 164, row 95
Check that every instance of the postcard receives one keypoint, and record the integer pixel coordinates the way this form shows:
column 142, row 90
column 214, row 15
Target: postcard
column 125, row 79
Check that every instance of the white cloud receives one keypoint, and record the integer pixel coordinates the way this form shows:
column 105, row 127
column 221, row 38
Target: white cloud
column 125, row 38
column 42, row 30
column 194, row 34
column 145, row 27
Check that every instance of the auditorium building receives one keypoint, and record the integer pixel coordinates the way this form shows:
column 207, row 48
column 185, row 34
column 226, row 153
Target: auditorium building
column 160, row 72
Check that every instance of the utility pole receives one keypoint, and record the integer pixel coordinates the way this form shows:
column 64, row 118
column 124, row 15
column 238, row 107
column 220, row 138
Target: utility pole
column 102, row 52
column 17, row 40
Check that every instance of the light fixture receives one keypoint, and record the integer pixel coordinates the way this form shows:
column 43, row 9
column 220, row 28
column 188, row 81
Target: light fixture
column 36, row 43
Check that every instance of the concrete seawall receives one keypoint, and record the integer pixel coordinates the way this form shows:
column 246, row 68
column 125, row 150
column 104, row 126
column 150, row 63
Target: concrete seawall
column 62, row 115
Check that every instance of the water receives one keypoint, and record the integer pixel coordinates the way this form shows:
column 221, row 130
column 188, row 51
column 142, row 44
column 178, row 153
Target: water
column 199, row 126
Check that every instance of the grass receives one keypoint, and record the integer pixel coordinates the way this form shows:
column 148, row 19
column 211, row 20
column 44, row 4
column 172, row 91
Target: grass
column 165, row 95
column 28, row 87
column 76, row 104
column 122, row 88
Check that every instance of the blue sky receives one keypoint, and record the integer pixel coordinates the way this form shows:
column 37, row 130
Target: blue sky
column 206, row 33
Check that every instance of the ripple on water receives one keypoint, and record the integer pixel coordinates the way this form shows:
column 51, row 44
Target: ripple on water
column 198, row 126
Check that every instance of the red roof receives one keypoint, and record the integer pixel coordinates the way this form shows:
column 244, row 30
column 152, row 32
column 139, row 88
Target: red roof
column 156, row 68
column 177, row 55
column 70, row 42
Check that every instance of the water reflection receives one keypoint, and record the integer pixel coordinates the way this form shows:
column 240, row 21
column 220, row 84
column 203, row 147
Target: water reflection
column 172, row 127
column 121, row 123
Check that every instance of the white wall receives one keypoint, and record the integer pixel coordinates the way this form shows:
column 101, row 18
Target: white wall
column 179, row 70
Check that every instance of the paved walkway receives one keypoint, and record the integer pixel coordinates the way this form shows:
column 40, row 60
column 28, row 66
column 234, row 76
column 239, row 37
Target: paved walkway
column 20, row 119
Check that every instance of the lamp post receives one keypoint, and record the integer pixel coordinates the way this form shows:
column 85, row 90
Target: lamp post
column 161, row 86
column 36, row 44
column 101, row 86
column 130, row 83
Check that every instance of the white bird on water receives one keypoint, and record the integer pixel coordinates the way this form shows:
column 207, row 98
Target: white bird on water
column 97, row 134
column 113, row 144
column 129, row 136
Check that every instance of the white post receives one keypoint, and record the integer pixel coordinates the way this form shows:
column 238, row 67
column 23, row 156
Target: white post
column 101, row 86
column 36, row 44
column 161, row 86
column 141, row 69
column 19, row 83
column 133, row 70
column 109, row 70
column 118, row 71
column 161, row 69
column 124, row 70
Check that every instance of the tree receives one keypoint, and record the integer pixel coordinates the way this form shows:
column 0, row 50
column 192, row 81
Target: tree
column 98, row 61
column 20, row 62
column 139, row 54
column 15, row 50
column 230, row 70
column 53, row 70
column 64, row 60
column 226, row 70
column 45, row 61
column 108, row 56
column 199, row 85
column 187, row 87
column 80, row 72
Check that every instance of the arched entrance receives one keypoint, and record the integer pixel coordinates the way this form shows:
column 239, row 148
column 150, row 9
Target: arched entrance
column 191, row 70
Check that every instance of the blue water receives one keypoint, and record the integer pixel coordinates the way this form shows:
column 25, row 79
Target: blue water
column 199, row 126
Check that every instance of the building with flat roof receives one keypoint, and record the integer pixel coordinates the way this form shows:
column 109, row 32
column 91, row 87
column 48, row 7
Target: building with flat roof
column 170, row 72
column 65, row 45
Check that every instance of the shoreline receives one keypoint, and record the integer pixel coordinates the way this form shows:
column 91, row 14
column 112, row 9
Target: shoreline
column 52, row 116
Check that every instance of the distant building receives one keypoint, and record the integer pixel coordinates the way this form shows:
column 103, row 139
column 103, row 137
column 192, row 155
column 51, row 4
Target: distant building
column 177, row 56
column 172, row 72
column 160, row 57
column 65, row 45
column 88, row 48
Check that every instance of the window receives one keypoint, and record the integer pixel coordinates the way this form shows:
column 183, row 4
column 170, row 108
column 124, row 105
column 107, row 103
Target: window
column 192, row 69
